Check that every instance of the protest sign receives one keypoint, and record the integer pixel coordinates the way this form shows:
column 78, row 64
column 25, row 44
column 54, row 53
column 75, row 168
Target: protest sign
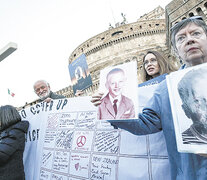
column 65, row 141
column 188, row 97
column 120, row 100
column 79, row 74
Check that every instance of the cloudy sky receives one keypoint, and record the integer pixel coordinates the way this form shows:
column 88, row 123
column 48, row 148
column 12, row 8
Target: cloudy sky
column 47, row 31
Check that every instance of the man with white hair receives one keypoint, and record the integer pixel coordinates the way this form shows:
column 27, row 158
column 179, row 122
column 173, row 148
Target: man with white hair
column 42, row 89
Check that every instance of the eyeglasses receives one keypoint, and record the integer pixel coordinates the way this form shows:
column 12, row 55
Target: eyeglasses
column 181, row 22
column 152, row 61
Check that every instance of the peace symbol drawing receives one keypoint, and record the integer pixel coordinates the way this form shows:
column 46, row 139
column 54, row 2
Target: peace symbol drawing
column 81, row 140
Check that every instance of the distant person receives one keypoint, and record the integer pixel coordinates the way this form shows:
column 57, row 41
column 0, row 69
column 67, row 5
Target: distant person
column 115, row 105
column 154, row 65
column 42, row 89
column 12, row 143
column 192, row 91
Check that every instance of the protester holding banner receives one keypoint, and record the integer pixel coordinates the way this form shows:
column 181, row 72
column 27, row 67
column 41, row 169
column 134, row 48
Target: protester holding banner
column 155, row 64
column 155, row 68
column 12, row 143
column 42, row 89
column 189, row 40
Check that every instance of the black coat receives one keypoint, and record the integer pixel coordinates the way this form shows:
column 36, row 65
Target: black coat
column 12, row 143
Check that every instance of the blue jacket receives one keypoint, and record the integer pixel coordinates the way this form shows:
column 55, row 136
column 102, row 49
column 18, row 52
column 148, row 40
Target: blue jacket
column 157, row 116
column 12, row 143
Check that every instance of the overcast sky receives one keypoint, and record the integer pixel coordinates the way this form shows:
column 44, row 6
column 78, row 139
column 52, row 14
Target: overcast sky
column 47, row 32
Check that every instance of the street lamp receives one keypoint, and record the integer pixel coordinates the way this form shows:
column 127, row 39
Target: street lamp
column 7, row 50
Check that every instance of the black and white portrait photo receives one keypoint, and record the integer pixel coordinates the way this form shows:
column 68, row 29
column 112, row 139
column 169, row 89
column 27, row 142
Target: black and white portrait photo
column 188, row 98
column 192, row 90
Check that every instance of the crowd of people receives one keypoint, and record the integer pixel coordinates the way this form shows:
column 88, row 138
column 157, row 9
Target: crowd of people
column 189, row 40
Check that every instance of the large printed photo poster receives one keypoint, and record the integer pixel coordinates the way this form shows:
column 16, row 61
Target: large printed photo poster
column 188, row 97
column 120, row 100
column 65, row 141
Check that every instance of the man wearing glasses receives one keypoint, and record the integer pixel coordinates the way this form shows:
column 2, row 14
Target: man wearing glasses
column 42, row 89
column 189, row 40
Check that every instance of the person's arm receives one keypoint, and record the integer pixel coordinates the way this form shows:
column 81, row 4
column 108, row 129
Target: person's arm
column 54, row 96
column 10, row 142
column 47, row 100
column 148, row 122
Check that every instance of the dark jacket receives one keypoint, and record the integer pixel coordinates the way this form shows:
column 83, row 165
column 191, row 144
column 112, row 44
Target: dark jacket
column 12, row 143
column 52, row 95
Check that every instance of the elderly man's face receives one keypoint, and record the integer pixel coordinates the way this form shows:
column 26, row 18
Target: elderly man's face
column 115, row 84
column 41, row 89
column 199, row 105
column 191, row 44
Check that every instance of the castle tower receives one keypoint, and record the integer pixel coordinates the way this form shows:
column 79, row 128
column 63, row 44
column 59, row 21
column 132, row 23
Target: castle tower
column 124, row 43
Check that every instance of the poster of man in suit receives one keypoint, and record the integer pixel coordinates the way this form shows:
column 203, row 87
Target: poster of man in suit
column 120, row 87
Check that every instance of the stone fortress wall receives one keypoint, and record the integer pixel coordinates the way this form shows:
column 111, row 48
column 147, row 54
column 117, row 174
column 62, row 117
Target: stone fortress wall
column 178, row 10
column 128, row 42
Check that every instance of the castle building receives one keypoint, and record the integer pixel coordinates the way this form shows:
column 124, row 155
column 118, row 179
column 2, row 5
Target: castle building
column 124, row 43
column 178, row 10
column 129, row 42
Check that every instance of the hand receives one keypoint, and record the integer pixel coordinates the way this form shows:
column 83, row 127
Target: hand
column 78, row 93
column 47, row 100
column 96, row 99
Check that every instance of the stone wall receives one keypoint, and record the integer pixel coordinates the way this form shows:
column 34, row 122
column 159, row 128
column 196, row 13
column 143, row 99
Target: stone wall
column 180, row 9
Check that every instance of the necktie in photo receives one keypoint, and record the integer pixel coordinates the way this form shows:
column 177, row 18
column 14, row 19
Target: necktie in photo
column 115, row 106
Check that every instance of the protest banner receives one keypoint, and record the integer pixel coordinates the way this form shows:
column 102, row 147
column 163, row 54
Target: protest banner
column 65, row 141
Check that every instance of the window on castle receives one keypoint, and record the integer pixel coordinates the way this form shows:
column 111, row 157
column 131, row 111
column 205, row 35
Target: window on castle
column 191, row 14
column 116, row 33
column 200, row 12
column 205, row 5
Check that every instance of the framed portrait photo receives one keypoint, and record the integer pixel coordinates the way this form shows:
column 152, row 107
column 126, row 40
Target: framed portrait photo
column 188, row 98
column 120, row 99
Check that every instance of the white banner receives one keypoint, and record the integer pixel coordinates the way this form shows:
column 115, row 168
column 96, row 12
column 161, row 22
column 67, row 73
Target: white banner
column 65, row 141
